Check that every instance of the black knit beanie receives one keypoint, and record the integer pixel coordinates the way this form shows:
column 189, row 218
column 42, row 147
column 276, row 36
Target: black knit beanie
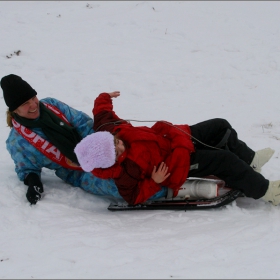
column 16, row 91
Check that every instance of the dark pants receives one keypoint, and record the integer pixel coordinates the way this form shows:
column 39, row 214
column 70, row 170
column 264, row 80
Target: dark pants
column 230, row 163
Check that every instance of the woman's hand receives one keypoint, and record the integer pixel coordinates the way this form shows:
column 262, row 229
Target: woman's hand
column 114, row 94
column 161, row 174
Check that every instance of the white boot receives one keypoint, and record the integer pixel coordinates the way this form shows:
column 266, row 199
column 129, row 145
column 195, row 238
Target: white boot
column 261, row 158
column 273, row 193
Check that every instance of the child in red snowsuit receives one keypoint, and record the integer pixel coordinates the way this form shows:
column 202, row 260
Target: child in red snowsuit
column 150, row 157
column 142, row 159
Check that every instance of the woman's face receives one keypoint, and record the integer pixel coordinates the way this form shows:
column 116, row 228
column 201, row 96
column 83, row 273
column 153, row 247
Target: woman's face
column 119, row 147
column 29, row 109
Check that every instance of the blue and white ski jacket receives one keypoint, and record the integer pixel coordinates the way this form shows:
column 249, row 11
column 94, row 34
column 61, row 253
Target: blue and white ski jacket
column 28, row 159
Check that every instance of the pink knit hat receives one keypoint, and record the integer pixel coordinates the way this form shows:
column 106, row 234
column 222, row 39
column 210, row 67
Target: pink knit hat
column 96, row 150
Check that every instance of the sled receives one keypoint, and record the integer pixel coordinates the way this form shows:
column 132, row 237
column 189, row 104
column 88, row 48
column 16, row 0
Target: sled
column 227, row 197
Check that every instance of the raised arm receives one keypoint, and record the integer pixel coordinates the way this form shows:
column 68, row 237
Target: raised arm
column 103, row 114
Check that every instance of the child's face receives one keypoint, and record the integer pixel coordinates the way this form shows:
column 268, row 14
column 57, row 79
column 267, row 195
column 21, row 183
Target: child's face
column 119, row 147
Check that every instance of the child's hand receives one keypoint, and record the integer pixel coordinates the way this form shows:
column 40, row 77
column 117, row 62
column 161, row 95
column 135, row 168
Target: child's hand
column 114, row 94
column 161, row 174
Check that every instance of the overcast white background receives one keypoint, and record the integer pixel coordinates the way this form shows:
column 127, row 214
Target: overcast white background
column 181, row 61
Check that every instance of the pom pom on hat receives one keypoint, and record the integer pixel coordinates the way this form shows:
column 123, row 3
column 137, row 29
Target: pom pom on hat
column 96, row 150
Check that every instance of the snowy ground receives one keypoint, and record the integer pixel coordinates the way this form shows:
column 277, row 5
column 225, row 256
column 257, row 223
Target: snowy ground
column 182, row 61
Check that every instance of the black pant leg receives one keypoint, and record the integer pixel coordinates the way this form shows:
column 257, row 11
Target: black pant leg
column 211, row 133
column 230, row 168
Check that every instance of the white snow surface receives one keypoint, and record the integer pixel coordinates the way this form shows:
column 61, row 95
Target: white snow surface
column 180, row 61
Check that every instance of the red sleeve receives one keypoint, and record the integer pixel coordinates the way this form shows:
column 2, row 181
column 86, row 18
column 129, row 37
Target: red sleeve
column 107, row 173
column 102, row 103
column 103, row 113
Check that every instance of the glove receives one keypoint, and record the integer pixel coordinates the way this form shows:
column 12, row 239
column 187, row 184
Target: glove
column 35, row 188
column 33, row 194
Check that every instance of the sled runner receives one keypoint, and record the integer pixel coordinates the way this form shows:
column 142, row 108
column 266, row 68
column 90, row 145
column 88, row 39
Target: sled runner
column 227, row 196
column 186, row 204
